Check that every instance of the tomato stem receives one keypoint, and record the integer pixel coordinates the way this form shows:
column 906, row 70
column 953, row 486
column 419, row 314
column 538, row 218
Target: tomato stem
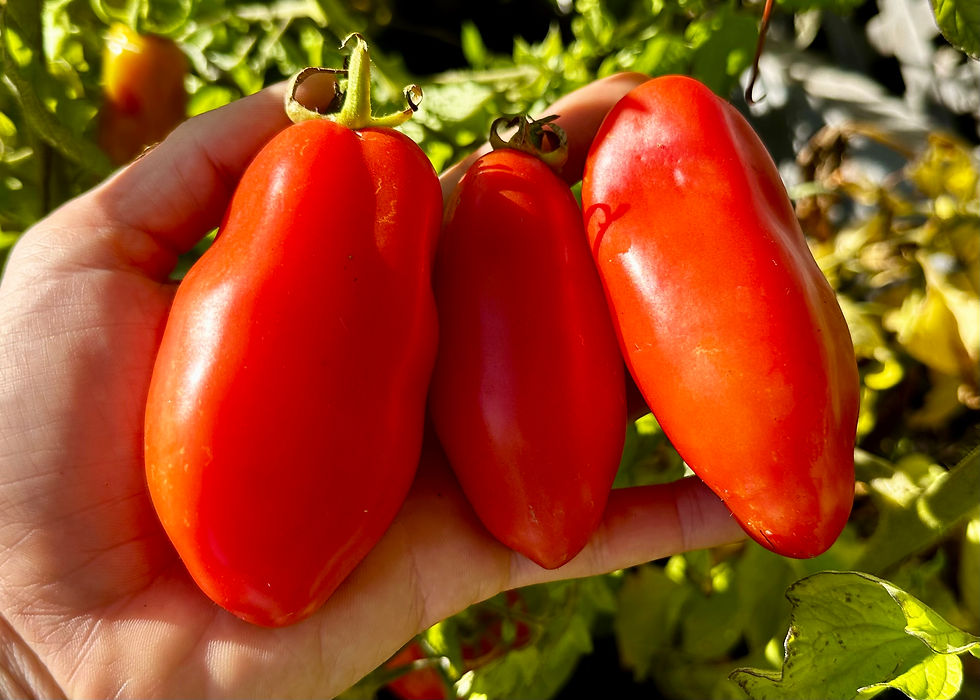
column 760, row 44
column 355, row 111
column 532, row 137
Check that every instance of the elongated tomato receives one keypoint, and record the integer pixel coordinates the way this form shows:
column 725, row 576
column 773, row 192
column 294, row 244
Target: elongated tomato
column 528, row 393
column 728, row 326
column 285, row 414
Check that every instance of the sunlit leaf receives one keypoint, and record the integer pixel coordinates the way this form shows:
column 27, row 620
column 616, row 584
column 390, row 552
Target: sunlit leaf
column 969, row 573
column 959, row 21
column 852, row 634
column 918, row 505
column 724, row 42
column 940, row 328
column 474, row 50
column 946, row 167
column 209, row 97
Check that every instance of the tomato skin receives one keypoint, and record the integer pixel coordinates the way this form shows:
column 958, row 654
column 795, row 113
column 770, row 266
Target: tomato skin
column 285, row 414
column 416, row 684
column 143, row 91
column 528, row 392
column 728, row 326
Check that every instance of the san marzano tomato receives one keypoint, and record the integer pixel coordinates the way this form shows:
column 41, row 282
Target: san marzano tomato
column 727, row 325
column 285, row 414
column 528, row 393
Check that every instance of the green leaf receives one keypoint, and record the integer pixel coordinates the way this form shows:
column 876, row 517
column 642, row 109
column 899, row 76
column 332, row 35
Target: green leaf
column 164, row 17
column 662, row 54
column 649, row 611
column 7, row 240
column 913, row 515
column 969, row 575
column 840, row 7
column 562, row 615
column 719, row 612
column 924, row 623
column 959, row 22
column 852, row 634
column 24, row 75
column 724, row 42
column 210, row 97
column 474, row 50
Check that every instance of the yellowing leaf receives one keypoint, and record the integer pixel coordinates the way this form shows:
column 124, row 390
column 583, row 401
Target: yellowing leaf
column 927, row 329
column 941, row 328
column 941, row 402
column 946, row 167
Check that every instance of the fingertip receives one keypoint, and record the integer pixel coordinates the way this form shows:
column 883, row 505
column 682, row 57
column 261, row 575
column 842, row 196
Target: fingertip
column 644, row 523
column 704, row 520
column 651, row 522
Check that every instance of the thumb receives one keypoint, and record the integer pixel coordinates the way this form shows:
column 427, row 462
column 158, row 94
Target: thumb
column 160, row 205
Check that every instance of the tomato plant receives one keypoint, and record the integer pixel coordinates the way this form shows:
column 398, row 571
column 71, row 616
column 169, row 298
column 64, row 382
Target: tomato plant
column 143, row 90
column 883, row 171
column 727, row 324
column 528, row 394
column 307, row 326
column 487, row 634
column 415, row 683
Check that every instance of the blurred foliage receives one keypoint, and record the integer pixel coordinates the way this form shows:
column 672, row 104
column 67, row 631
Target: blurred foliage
column 902, row 250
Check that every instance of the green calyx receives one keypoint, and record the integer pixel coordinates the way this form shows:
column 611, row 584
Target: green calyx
column 536, row 137
column 355, row 101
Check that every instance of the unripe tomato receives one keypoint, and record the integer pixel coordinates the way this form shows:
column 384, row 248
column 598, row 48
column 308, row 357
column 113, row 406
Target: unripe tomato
column 143, row 91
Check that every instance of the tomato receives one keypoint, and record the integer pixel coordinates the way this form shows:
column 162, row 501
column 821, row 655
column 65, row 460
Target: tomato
column 417, row 683
column 143, row 91
column 286, row 408
column 527, row 394
column 730, row 330
column 482, row 640
column 482, row 634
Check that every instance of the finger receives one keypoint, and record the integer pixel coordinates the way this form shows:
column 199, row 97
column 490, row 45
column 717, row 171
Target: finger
column 440, row 528
column 642, row 524
column 579, row 113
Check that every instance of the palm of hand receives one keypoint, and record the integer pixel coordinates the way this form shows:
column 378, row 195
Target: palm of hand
column 90, row 533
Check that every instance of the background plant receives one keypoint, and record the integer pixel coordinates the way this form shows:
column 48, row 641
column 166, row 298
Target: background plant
column 870, row 107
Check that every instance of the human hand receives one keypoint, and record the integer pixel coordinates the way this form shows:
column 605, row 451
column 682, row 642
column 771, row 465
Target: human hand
column 94, row 600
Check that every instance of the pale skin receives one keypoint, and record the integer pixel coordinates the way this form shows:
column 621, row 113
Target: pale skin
column 94, row 600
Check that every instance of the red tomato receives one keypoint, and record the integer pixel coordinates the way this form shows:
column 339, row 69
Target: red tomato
column 143, row 90
column 728, row 326
column 483, row 637
column 415, row 684
column 527, row 394
column 481, row 642
column 285, row 415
